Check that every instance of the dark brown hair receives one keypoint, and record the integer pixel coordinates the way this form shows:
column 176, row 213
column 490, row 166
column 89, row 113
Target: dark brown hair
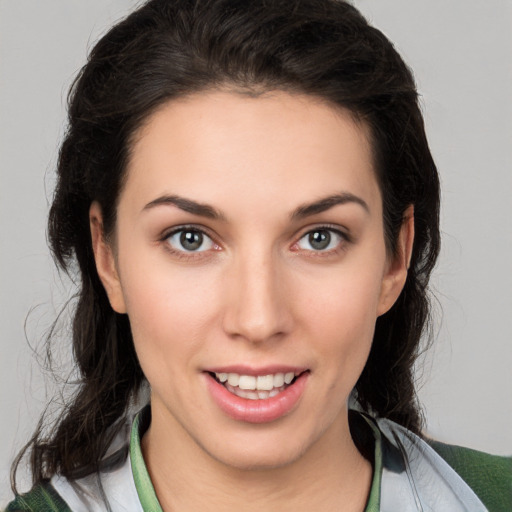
column 170, row 48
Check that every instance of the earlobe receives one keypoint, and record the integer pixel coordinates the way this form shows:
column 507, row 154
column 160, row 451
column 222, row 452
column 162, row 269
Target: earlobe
column 105, row 260
column 396, row 272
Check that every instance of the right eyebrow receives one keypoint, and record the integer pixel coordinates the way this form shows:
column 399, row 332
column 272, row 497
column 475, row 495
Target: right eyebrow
column 187, row 205
column 327, row 203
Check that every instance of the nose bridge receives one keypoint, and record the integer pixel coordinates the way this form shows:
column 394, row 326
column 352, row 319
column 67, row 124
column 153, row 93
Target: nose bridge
column 257, row 309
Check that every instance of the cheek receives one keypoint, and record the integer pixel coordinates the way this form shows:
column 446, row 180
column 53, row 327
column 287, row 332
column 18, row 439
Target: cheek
column 171, row 311
column 340, row 317
column 345, row 301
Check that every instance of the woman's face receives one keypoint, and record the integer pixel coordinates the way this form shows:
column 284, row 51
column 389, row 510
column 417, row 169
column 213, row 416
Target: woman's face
column 249, row 246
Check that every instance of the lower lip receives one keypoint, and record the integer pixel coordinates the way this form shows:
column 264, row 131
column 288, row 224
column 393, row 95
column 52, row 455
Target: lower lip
column 257, row 411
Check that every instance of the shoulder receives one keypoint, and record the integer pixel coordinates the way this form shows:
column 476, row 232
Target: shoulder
column 42, row 497
column 440, row 476
column 490, row 476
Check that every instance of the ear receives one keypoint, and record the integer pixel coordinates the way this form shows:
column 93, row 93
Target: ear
column 395, row 276
column 105, row 260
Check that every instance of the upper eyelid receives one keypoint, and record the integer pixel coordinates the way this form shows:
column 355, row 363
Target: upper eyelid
column 184, row 227
column 325, row 227
column 183, row 253
column 345, row 240
column 343, row 232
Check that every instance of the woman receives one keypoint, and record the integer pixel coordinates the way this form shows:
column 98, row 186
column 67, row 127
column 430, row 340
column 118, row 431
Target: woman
column 249, row 195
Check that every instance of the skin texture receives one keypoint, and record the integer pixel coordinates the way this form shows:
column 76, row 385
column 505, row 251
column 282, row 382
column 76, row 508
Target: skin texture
column 257, row 293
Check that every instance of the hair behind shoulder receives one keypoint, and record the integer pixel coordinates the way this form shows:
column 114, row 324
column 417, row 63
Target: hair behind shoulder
column 167, row 49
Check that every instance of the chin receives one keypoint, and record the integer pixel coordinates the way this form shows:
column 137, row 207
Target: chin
column 259, row 451
column 251, row 460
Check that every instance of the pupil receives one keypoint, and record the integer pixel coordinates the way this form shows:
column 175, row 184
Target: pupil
column 320, row 239
column 191, row 240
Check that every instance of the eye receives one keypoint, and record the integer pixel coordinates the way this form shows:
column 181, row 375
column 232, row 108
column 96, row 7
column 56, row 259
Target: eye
column 321, row 239
column 190, row 240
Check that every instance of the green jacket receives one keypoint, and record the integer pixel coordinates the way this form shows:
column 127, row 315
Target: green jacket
column 490, row 476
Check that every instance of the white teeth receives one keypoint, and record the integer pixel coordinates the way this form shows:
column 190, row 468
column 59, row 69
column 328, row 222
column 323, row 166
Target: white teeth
column 253, row 395
column 233, row 379
column 244, row 393
column 289, row 377
column 247, row 382
column 278, row 380
column 265, row 382
column 260, row 383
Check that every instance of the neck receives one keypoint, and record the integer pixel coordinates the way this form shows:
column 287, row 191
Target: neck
column 330, row 476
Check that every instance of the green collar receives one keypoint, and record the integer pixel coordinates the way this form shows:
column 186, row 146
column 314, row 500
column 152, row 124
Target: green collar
column 373, row 504
column 146, row 491
column 143, row 484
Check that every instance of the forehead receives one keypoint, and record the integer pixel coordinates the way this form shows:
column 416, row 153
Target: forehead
column 217, row 146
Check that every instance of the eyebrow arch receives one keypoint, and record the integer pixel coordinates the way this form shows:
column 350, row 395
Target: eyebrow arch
column 326, row 203
column 187, row 205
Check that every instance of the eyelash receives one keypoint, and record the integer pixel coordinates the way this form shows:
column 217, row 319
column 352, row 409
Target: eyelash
column 184, row 254
column 344, row 239
column 188, row 255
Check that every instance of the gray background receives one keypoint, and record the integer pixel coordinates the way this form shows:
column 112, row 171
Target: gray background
column 461, row 54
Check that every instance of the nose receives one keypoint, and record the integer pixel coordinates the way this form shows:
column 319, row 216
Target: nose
column 257, row 307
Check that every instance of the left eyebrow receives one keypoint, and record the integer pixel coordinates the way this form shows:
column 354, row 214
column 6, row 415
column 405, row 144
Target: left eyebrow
column 187, row 205
column 327, row 203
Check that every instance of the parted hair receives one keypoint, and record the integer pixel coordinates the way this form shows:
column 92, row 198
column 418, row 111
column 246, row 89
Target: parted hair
column 170, row 48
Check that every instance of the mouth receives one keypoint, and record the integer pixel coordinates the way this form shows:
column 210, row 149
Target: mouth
column 257, row 398
column 251, row 387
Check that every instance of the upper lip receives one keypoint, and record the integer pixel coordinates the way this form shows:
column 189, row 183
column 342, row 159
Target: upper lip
column 242, row 369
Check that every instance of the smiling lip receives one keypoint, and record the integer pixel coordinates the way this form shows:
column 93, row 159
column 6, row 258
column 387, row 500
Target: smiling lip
column 260, row 410
column 249, row 370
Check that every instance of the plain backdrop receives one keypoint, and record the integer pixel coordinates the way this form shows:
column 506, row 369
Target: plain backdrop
column 461, row 53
